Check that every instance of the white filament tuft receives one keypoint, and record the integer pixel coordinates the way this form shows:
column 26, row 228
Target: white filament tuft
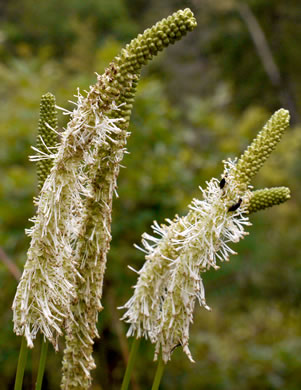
column 169, row 282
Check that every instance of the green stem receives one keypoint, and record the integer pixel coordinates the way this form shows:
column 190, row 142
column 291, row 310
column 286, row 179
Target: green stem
column 130, row 365
column 21, row 364
column 42, row 363
column 159, row 373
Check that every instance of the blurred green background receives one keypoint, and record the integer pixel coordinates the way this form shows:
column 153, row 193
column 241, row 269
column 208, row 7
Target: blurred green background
column 199, row 102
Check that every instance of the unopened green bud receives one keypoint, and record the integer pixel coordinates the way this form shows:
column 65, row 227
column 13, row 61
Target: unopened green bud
column 268, row 197
column 262, row 146
column 127, row 66
column 46, row 139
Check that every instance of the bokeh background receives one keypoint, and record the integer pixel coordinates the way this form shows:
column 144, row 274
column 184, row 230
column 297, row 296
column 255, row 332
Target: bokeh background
column 199, row 102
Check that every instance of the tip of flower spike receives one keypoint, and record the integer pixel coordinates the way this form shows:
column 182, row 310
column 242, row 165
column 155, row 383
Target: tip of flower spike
column 47, row 138
column 262, row 146
column 268, row 197
column 124, row 71
column 143, row 48
column 48, row 96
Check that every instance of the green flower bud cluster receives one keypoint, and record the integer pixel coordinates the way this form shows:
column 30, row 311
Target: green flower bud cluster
column 268, row 197
column 46, row 139
column 257, row 153
column 126, row 101
column 124, row 70
column 142, row 49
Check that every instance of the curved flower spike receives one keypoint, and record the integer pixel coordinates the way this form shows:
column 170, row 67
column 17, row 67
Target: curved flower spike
column 61, row 286
column 170, row 282
column 124, row 70
column 90, row 254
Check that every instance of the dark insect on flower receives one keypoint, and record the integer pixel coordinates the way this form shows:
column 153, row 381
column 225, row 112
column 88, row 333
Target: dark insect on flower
column 222, row 183
column 176, row 346
column 235, row 206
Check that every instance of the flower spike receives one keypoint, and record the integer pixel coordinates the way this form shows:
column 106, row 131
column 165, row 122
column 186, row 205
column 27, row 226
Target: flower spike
column 170, row 281
column 125, row 68
column 268, row 197
column 61, row 287
column 262, row 146
column 90, row 254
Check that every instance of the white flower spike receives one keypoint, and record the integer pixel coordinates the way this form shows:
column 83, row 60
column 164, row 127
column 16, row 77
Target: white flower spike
column 170, row 282
column 61, row 286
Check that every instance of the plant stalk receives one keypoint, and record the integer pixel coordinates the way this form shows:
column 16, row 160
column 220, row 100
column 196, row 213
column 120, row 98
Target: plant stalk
column 42, row 363
column 21, row 364
column 130, row 365
column 159, row 373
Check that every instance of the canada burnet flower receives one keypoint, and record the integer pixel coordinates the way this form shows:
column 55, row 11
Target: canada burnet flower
column 93, row 244
column 47, row 287
column 61, row 286
column 170, row 282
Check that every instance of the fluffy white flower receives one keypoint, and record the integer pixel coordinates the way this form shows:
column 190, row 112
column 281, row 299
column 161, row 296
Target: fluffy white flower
column 48, row 286
column 170, row 281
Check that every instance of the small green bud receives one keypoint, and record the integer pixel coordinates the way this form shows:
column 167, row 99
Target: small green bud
column 46, row 139
column 268, row 197
column 262, row 146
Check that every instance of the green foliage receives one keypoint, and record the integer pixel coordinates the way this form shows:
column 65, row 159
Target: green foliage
column 191, row 112
column 57, row 25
